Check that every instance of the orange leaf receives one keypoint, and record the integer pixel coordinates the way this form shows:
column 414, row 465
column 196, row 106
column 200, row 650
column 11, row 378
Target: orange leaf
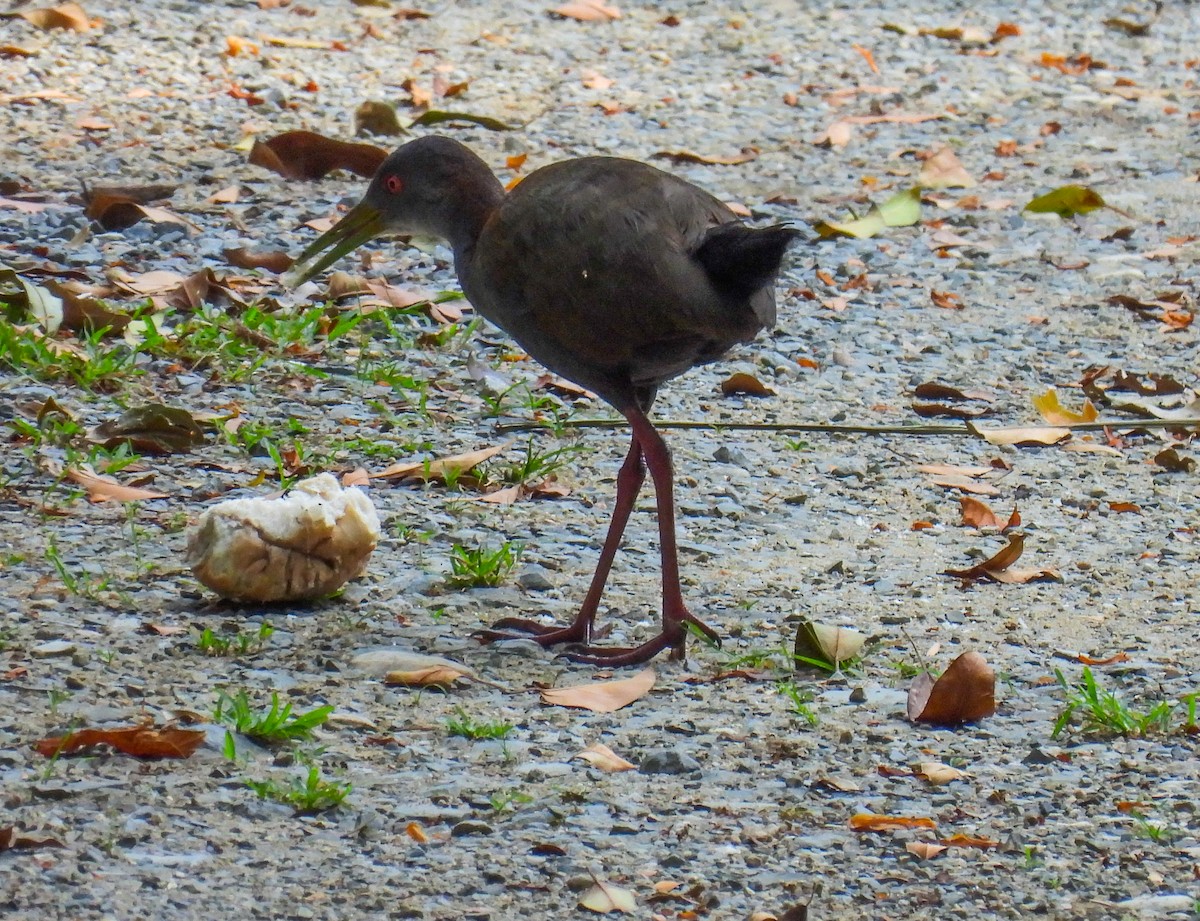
column 133, row 740
column 965, row 692
column 868, row 57
column 1057, row 414
column 946, row 300
column 1111, row 660
column 1125, row 507
column 970, row 841
column 602, row 696
column 977, row 514
column 746, row 384
column 866, row 821
column 416, row 832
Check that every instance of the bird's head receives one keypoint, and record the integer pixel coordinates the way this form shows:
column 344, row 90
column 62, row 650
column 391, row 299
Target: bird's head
column 433, row 185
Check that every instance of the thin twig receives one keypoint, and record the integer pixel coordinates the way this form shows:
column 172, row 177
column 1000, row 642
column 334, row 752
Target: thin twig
column 964, row 429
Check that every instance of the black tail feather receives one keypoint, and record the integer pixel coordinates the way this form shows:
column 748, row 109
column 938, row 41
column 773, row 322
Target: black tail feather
column 741, row 260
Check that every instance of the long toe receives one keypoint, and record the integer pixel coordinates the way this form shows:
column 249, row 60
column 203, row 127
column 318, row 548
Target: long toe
column 618, row 656
column 515, row 628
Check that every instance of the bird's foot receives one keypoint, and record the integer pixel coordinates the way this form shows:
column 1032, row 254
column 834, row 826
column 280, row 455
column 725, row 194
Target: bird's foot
column 513, row 628
column 673, row 637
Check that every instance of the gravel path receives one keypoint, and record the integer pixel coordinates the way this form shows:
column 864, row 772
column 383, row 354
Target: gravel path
column 738, row 800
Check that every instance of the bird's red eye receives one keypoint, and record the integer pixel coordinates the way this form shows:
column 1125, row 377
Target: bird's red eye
column 393, row 184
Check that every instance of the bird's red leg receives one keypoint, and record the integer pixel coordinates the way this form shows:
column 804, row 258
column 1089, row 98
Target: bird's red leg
column 629, row 483
column 675, row 615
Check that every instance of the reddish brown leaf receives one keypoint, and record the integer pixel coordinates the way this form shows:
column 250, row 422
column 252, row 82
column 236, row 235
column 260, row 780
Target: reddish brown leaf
column 746, row 384
column 970, row 841
column 11, row 841
column 271, row 260
column 935, row 390
column 106, row 489
column 965, row 692
column 999, row 567
column 865, row 821
column 977, row 514
column 132, row 740
column 307, row 155
column 1125, row 507
column 1111, row 660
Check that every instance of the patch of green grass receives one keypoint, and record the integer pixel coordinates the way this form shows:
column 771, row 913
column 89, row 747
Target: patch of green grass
column 271, row 727
column 800, row 699
column 233, row 644
column 505, row 799
column 534, row 464
column 312, row 793
column 93, row 364
column 1151, row 829
column 799, row 444
column 472, row 567
column 468, row 727
column 1103, row 712
column 83, row 585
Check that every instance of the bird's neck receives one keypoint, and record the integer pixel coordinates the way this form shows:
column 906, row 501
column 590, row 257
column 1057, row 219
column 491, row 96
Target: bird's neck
column 472, row 203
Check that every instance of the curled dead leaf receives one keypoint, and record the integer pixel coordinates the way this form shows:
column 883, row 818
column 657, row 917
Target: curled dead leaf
column 746, row 384
column 602, row 696
column 604, row 758
column 439, row 470
column 138, row 741
column 106, row 489
column 430, row 676
column 965, row 692
column 308, row 155
column 998, row 568
column 866, row 821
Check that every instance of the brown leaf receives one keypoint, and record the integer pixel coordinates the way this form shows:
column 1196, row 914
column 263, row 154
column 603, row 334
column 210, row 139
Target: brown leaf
column 271, row 260
column 106, row 489
column 946, row 300
column 602, row 696
column 604, row 758
column 965, row 692
column 150, row 429
column 1120, row 507
column 965, row 484
column 307, row 155
column 587, row 11
column 933, row 410
column 943, row 170
column 375, row 117
column 117, row 208
column 64, row 16
column 969, row 841
column 935, row 390
column 11, row 841
column 430, row 676
column 866, row 821
column 1035, row 435
column 1173, row 462
column 1114, row 659
column 441, row 469
column 686, row 156
column 976, row 514
column 746, row 384
column 133, row 740
column 999, row 567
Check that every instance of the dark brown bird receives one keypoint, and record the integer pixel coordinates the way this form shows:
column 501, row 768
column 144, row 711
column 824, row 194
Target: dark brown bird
column 612, row 273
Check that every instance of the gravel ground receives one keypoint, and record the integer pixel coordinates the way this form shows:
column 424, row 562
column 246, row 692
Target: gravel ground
column 738, row 799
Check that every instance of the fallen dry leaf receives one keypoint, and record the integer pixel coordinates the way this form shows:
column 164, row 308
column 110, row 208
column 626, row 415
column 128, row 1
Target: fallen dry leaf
column 430, row 676
column 965, row 692
column 271, row 260
column 439, row 470
column 588, row 11
column 1173, row 462
column 965, row 484
column 746, row 384
column 1057, row 414
column 11, row 841
column 1023, row 436
column 943, row 170
column 977, row 514
column 828, row 644
column 64, row 16
column 604, row 758
column 602, row 696
column 970, row 841
column 133, row 740
column 937, row 773
column 866, row 821
column 308, row 155
column 998, row 568
column 926, row 850
column 603, row 897
column 686, row 156
column 106, row 489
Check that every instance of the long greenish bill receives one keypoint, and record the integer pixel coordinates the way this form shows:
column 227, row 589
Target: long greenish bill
column 360, row 224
